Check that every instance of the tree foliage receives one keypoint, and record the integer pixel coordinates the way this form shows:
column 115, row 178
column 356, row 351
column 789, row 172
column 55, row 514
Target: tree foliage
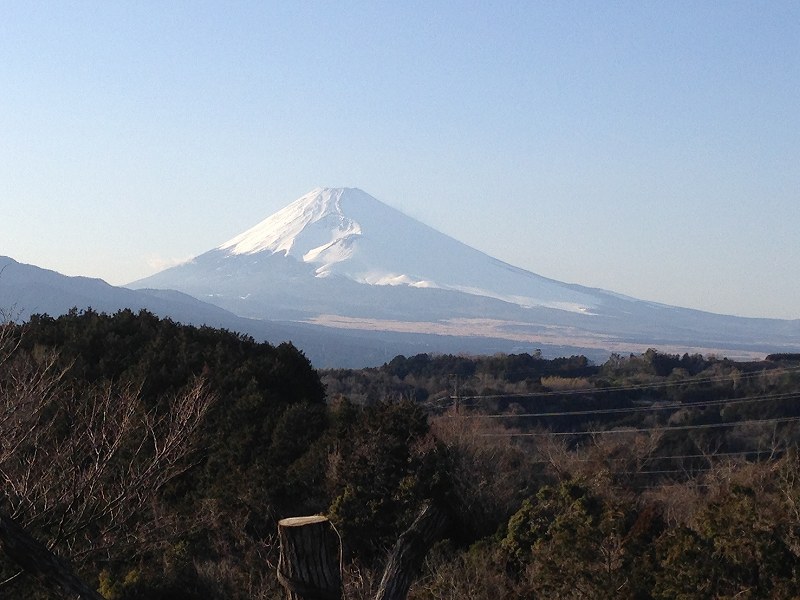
column 158, row 457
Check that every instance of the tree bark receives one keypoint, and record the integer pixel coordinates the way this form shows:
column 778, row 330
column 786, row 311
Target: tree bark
column 309, row 567
column 35, row 559
column 410, row 551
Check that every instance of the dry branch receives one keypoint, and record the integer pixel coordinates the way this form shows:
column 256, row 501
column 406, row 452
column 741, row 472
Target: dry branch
column 409, row 552
column 37, row 560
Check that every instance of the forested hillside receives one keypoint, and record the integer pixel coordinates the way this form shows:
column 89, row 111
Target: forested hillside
column 157, row 458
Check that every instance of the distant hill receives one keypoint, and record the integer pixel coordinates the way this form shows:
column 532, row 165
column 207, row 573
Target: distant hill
column 27, row 289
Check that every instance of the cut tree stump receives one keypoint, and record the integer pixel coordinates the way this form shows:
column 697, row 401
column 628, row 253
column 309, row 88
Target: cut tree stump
column 309, row 567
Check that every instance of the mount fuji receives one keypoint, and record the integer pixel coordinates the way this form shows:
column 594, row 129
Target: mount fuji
column 341, row 258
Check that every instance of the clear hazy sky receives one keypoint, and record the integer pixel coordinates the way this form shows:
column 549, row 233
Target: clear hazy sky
column 649, row 148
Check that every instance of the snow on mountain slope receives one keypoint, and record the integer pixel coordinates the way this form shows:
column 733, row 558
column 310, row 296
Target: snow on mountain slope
column 341, row 257
column 347, row 232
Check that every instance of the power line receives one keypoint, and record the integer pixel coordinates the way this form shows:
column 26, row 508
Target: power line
column 688, row 471
column 632, row 409
column 642, row 429
column 647, row 459
column 632, row 387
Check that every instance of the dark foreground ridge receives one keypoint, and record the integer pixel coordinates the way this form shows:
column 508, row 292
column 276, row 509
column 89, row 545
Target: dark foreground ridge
column 155, row 460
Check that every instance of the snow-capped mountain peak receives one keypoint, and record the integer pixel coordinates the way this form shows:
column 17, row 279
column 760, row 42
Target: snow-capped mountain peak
column 303, row 229
column 340, row 257
column 347, row 232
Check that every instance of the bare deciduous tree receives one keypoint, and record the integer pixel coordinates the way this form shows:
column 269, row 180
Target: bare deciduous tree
column 80, row 466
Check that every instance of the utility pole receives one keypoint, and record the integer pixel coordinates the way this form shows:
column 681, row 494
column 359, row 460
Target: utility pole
column 455, row 397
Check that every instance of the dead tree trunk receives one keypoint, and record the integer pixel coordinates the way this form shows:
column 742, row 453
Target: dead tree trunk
column 35, row 559
column 410, row 551
column 309, row 566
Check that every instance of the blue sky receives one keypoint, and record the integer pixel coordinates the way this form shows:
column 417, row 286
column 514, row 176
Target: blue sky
column 649, row 148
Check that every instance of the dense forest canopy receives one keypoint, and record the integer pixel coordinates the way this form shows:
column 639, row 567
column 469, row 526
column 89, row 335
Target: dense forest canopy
column 157, row 459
